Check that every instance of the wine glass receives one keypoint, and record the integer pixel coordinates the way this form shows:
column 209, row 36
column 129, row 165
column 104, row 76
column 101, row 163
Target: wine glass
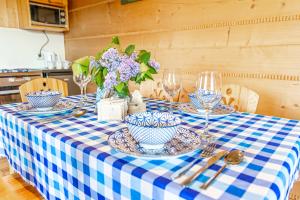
column 172, row 85
column 209, row 94
column 82, row 79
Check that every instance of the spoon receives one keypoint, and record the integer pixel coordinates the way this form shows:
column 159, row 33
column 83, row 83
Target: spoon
column 234, row 157
column 79, row 113
column 76, row 113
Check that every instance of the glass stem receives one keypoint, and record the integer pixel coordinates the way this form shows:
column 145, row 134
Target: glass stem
column 206, row 122
column 171, row 105
column 81, row 98
column 85, row 97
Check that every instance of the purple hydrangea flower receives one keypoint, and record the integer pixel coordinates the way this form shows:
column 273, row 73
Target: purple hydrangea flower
column 134, row 56
column 154, row 64
column 111, row 59
column 128, row 68
column 94, row 63
column 110, row 80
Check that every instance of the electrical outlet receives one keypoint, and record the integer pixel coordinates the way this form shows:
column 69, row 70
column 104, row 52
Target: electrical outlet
column 40, row 57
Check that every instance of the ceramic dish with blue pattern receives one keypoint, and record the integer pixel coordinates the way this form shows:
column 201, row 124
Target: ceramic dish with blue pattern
column 152, row 129
column 183, row 143
column 220, row 110
column 60, row 107
column 196, row 102
column 43, row 100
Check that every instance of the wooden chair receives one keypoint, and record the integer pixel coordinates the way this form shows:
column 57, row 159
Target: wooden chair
column 154, row 89
column 43, row 84
column 242, row 98
column 295, row 192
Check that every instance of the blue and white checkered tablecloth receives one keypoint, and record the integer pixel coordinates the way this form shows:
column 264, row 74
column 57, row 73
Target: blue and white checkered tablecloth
column 71, row 159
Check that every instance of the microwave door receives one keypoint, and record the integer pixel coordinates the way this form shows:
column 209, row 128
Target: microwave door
column 41, row 15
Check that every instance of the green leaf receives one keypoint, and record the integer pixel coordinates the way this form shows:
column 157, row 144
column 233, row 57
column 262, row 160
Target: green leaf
column 99, row 80
column 78, row 69
column 105, row 72
column 152, row 70
column 149, row 76
column 81, row 65
column 144, row 56
column 115, row 40
column 143, row 67
column 130, row 49
column 124, row 92
column 120, row 87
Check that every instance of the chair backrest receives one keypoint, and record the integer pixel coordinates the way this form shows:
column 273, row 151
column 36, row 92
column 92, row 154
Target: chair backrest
column 43, row 84
column 242, row 98
column 154, row 89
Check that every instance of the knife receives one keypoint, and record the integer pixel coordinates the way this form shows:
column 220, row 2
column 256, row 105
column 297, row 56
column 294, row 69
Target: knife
column 209, row 163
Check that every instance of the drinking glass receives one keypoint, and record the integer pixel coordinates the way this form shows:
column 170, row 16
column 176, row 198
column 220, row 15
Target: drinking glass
column 172, row 85
column 209, row 94
column 82, row 79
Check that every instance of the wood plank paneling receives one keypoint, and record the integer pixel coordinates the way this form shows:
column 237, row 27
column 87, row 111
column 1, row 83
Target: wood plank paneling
column 254, row 43
column 9, row 13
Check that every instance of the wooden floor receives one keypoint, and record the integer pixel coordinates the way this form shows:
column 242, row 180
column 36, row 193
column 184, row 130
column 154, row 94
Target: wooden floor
column 12, row 187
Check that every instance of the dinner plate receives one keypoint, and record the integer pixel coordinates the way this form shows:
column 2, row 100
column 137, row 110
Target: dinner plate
column 183, row 143
column 219, row 111
column 60, row 107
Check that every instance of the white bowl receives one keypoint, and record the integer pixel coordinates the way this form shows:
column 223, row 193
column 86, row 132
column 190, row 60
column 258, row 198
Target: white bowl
column 152, row 129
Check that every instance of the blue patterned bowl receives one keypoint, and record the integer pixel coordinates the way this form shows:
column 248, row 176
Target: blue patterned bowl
column 152, row 129
column 43, row 100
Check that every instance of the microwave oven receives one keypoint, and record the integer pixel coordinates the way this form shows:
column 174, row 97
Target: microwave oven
column 44, row 15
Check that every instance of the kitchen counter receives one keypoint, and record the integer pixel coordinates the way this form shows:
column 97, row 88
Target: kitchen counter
column 15, row 74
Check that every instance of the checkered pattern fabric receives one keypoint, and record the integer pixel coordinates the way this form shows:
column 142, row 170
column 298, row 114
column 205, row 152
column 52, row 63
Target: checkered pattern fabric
column 71, row 159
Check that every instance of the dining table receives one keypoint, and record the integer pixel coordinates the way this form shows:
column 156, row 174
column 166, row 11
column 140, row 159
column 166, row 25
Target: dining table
column 72, row 159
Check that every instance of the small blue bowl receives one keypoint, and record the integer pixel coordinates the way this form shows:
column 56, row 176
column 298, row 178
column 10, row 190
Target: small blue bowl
column 43, row 100
column 152, row 129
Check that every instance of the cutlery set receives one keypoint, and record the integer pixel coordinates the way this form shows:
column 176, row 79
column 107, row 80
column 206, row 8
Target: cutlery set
column 76, row 113
column 233, row 157
column 207, row 152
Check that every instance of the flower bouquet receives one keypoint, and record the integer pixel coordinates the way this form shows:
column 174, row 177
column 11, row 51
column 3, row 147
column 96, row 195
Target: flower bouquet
column 112, row 68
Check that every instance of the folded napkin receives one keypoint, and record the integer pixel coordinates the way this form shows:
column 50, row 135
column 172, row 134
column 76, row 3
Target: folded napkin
column 136, row 104
column 112, row 109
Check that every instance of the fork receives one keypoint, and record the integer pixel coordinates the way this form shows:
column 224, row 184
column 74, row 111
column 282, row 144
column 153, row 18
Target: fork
column 208, row 150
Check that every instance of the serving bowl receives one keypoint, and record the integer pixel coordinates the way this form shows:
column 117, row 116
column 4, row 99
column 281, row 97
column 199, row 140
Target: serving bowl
column 43, row 100
column 152, row 129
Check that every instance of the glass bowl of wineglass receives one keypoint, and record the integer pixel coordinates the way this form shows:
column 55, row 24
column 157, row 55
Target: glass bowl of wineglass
column 82, row 79
column 208, row 93
column 172, row 85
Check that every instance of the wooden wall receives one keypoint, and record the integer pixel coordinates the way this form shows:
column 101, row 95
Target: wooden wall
column 255, row 43
column 9, row 14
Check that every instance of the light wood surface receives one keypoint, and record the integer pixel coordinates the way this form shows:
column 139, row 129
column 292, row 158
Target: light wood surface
column 253, row 43
column 9, row 14
column 52, row 2
column 12, row 187
column 43, row 84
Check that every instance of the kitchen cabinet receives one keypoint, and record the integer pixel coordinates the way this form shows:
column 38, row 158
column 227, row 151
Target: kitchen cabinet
column 52, row 2
column 45, row 8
